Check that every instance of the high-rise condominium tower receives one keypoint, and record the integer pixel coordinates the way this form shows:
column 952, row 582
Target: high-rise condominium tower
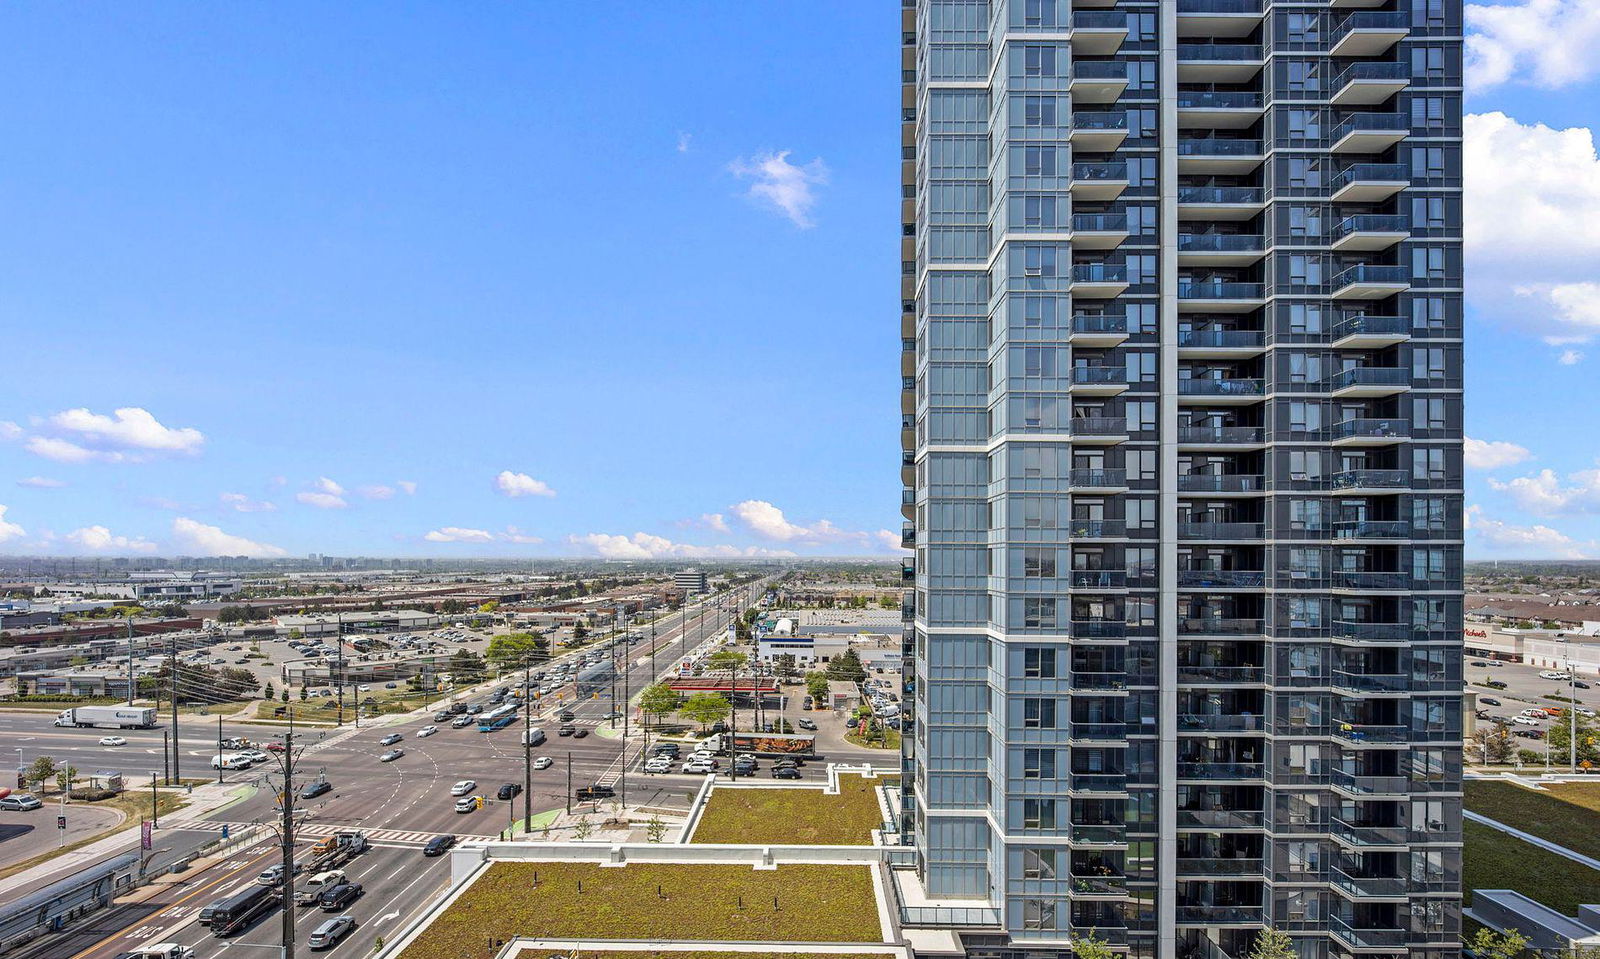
column 1182, row 454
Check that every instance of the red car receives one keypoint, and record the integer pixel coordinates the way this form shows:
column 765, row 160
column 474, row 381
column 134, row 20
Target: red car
column 274, row 747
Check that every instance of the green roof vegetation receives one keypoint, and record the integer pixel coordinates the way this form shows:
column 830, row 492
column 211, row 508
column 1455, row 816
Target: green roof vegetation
column 797, row 817
column 662, row 902
column 1565, row 813
column 705, row 954
column 1494, row 860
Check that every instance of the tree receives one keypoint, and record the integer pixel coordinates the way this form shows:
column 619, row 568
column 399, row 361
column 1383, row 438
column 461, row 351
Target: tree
column 284, row 696
column 785, row 666
column 1090, row 947
column 1560, row 739
column 655, row 829
column 659, row 700
column 451, row 607
column 1494, row 743
column 65, row 777
column 305, row 693
column 296, row 635
column 817, row 686
column 514, row 650
column 488, row 607
column 269, row 692
column 581, row 829
column 40, row 770
column 579, row 631
column 705, row 708
column 847, row 667
column 1272, row 944
column 466, row 666
column 1488, row 944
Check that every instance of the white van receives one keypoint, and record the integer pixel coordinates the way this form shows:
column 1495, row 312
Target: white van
column 1552, row 674
column 230, row 761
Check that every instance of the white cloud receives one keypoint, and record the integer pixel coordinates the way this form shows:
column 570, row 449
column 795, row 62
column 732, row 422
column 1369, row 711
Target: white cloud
column 10, row 430
column 9, row 530
column 768, row 522
column 1491, row 454
column 790, row 189
column 1573, row 307
column 1570, row 357
column 98, row 539
column 515, row 535
column 683, row 141
column 457, row 534
column 129, row 434
column 324, row 494
column 375, row 491
column 40, row 482
column 521, row 484
column 890, row 540
column 407, row 487
column 647, row 546
column 1549, row 43
column 1523, row 542
column 66, row 451
column 241, row 503
column 714, row 521
column 202, row 540
column 1544, row 494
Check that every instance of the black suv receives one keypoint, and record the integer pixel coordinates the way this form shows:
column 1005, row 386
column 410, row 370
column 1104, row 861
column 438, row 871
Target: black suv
column 509, row 791
column 337, row 897
column 438, row 845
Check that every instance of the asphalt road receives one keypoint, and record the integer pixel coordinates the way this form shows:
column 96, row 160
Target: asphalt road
column 400, row 804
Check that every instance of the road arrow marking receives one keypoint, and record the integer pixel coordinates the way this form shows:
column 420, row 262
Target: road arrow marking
column 389, row 915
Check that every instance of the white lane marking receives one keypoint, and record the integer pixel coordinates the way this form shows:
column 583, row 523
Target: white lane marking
column 388, row 915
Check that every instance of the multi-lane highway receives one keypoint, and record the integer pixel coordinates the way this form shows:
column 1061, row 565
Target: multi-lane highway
column 399, row 804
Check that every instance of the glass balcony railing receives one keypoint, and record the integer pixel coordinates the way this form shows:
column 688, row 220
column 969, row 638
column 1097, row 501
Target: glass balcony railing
column 1212, row 915
column 1360, row 734
column 1219, row 866
column 1372, row 632
column 1210, row 386
column 1365, row 580
column 1219, row 770
column 1220, row 434
column 1221, row 674
column 1385, row 71
column 1100, row 122
column 1108, row 934
column 1364, row 835
column 1369, row 274
column 1371, row 479
column 1372, row 529
column 948, row 916
column 1108, row 323
column 1099, row 273
column 1197, row 531
column 1219, row 6
column 1368, row 20
column 1210, row 722
column 1100, row 222
column 1099, row 629
column 1099, row 20
column 1099, row 375
column 1115, row 170
column 1363, row 427
column 1106, row 834
column 1217, row 147
column 1092, row 528
column 1100, row 69
column 1098, row 885
column 1371, row 122
column 1221, row 578
column 1219, row 194
column 1371, row 223
column 1218, row 100
column 1097, row 479
column 1098, row 782
column 1099, row 681
column 1099, row 426
column 1231, row 52
column 1220, row 339
column 1220, row 243
column 1218, row 626
column 1219, row 818
column 1361, row 323
column 1220, row 291
column 1365, row 938
column 1372, row 173
column 1382, row 886
column 1224, row 483
column 1369, row 376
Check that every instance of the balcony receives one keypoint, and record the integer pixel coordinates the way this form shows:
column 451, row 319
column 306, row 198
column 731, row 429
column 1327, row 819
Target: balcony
column 1098, row 231
column 1098, row 132
column 1370, row 482
column 1220, row 297
column 1096, row 579
column 1369, row 381
column 1099, row 181
column 1102, row 835
column 908, row 536
column 1368, row 887
column 1371, row 634
column 1387, row 940
column 1373, row 684
column 1364, row 837
column 1219, row 626
column 1219, row 819
column 1099, row 279
column 1098, row 784
column 1215, row 579
column 1364, row 787
column 1199, row 532
column 1218, row 18
column 1219, row 915
column 1098, row 81
column 1099, row 529
column 1366, row 34
column 1221, row 391
column 1099, row 380
column 1372, row 529
column 1089, row 480
column 1369, row 182
column 1222, row 675
column 1363, row 332
column 1218, row 62
column 1220, row 344
column 1098, row 329
column 1218, row 110
column 1218, row 155
column 1370, row 582
column 1220, row 249
column 1099, row 629
column 1370, row 282
column 1220, row 437
column 1213, row 772
column 1212, row 483
column 1368, row 84
column 1370, row 132
column 1219, row 202
column 1100, row 429
column 1218, row 867
column 1098, row 33
column 1369, row 432
column 1368, row 232
column 1089, row 887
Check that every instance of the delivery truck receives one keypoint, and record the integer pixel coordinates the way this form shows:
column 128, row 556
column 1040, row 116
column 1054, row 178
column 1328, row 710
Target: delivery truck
column 122, row 717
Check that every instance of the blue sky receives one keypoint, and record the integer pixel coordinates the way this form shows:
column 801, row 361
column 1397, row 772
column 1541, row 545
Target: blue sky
column 586, row 279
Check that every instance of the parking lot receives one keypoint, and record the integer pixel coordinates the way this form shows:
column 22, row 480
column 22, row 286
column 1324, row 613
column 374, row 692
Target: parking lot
column 1524, row 689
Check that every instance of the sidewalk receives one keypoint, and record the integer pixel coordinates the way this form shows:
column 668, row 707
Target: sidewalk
column 202, row 800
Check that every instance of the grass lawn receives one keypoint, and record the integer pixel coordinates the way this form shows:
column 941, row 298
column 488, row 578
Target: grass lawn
column 1566, row 813
column 816, row 903
column 804, row 817
column 1494, row 860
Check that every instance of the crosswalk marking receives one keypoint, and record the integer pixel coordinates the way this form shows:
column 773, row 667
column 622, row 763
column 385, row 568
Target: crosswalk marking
column 318, row 830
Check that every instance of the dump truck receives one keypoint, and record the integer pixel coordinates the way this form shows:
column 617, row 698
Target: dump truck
column 122, row 717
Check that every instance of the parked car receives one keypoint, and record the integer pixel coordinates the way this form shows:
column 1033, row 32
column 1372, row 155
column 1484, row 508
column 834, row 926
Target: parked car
column 1580, row 684
column 700, row 766
column 21, row 802
column 659, row 764
column 462, row 787
column 1489, row 701
column 391, row 755
column 337, row 897
column 1524, row 720
column 806, row 724
column 439, row 845
column 327, row 935
column 1495, row 684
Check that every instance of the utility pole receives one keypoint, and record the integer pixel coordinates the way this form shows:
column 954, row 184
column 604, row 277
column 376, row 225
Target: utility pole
column 286, row 840
column 219, row 750
column 527, row 742
column 569, row 782
column 130, row 659
column 172, row 680
column 166, row 757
